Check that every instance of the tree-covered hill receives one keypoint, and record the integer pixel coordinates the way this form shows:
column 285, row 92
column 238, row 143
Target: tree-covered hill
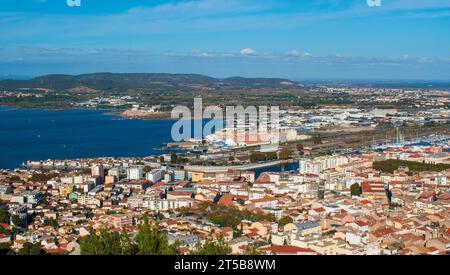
column 123, row 81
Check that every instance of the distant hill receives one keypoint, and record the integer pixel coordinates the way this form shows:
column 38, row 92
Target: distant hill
column 259, row 82
column 117, row 81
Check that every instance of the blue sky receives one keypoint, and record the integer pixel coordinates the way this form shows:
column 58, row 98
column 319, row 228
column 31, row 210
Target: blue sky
column 298, row 39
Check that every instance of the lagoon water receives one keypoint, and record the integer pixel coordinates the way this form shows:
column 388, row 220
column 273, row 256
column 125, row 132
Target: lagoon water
column 34, row 134
column 30, row 134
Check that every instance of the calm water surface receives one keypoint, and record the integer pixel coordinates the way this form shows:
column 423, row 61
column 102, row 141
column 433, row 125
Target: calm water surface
column 33, row 134
column 29, row 134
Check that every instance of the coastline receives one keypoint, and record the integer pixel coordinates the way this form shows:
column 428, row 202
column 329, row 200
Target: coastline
column 244, row 167
column 88, row 135
column 150, row 116
column 105, row 111
column 57, row 109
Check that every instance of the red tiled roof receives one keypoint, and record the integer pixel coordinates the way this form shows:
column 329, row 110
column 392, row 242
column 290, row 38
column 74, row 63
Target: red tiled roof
column 264, row 177
column 171, row 222
column 158, row 184
column 287, row 249
column 226, row 199
column 263, row 199
column 445, row 197
column 184, row 183
column 427, row 194
column 361, row 223
column 383, row 232
column 410, row 236
column 253, row 230
column 56, row 251
column 372, row 187
column 180, row 193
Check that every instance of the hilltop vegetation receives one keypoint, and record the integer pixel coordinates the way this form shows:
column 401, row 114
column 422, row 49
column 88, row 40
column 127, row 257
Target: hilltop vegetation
column 227, row 216
column 116, row 81
column 389, row 166
column 166, row 90
column 149, row 240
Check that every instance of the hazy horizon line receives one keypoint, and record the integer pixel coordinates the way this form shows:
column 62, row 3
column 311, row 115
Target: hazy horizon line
column 295, row 79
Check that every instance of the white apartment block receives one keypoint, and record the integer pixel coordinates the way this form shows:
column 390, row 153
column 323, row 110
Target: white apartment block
column 155, row 175
column 166, row 205
column 135, row 173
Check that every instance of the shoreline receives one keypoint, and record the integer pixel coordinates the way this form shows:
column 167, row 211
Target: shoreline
column 244, row 167
column 113, row 114
column 56, row 109
column 105, row 111
column 156, row 116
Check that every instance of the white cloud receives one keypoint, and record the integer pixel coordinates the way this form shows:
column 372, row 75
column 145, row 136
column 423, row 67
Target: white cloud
column 248, row 52
column 293, row 53
column 193, row 16
column 296, row 57
column 202, row 53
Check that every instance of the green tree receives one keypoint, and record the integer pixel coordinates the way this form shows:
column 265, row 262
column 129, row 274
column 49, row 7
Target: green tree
column 42, row 177
column 285, row 154
column 16, row 220
column 389, row 166
column 147, row 169
column 89, row 214
column 257, row 157
column 251, row 250
column 237, row 232
column 355, row 190
column 212, row 247
column 5, row 248
column 31, row 249
column 14, row 178
column 151, row 241
column 104, row 243
column 90, row 244
column 173, row 158
column 271, row 155
column 317, row 139
column 51, row 222
column 127, row 244
column 161, row 159
column 226, row 216
column 4, row 231
column 285, row 220
column 4, row 215
column 159, row 216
